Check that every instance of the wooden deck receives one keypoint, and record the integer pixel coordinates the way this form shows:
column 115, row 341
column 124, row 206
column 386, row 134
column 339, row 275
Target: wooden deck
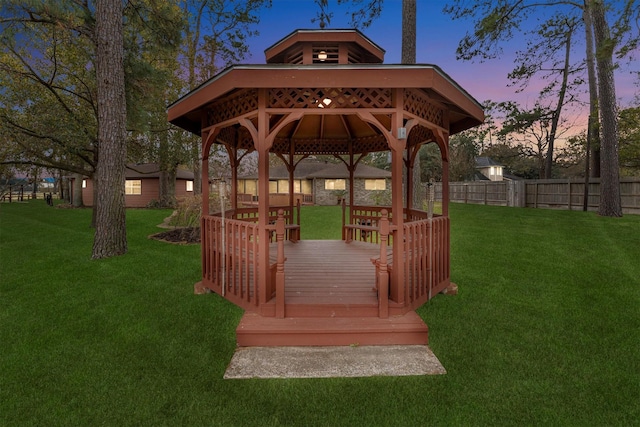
column 330, row 272
column 330, row 299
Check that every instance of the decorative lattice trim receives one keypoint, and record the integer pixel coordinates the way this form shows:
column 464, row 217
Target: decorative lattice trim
column 418, row 104
column 419, row 135
column 236, row 105
column 329, row 98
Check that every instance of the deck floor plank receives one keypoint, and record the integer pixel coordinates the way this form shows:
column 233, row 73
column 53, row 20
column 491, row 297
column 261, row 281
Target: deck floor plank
column 330, row 271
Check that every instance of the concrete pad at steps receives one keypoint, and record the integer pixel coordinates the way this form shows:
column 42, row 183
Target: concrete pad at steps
column 328, row 362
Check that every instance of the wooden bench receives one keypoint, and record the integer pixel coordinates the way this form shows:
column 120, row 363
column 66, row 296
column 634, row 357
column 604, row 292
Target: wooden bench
column 350, row 231
column 291, row 230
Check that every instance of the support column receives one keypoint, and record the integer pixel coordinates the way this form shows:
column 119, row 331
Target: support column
column 262, row 148
column 205, row 174
column 397, row 147
column 445, row 183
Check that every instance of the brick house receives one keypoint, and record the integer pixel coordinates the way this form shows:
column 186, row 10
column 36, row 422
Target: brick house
column 322, row 183
column 142, row 185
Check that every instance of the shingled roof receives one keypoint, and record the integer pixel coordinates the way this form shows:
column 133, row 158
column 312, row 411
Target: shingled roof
column 152, row 170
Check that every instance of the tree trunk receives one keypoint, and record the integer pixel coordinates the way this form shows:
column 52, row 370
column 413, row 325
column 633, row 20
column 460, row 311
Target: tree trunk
column 409, row 13
column 610, row 202
column 77, row 201
column 408, row 31
column 556, row 114
column 110, row 233
column 61, row 183
column 167, row 189
column 36, row 178
column 593, row 134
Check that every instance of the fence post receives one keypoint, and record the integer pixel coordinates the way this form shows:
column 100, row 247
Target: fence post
column 485, row 185
column 569, row 191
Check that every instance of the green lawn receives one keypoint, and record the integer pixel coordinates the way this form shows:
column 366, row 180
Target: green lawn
column 545, row 330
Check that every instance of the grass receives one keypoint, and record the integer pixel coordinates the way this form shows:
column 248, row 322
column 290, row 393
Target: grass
column 545, row 330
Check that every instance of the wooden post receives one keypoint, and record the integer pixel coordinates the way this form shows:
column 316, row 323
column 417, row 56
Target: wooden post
column 383, row 272
column 485, row 193
column 344, row 230
column 569, row 191
column 280, row 309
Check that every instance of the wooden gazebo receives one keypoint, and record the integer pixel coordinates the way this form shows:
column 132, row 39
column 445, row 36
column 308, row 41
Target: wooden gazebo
column 327, row 92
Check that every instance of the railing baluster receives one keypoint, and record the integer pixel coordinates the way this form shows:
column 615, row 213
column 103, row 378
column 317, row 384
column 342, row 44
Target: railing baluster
column 280, row 308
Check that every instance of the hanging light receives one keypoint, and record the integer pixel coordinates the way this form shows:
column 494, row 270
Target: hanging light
column 322, row 55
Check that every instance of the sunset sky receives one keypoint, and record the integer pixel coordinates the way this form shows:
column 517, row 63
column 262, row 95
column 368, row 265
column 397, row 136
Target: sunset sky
column 438, row 38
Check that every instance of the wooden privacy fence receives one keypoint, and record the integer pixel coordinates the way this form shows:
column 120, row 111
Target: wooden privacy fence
column 542, row 193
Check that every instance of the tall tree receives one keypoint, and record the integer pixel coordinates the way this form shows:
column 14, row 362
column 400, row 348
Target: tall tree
column 409, row 13
column 110, row 235
column 555, row 34
column 529, row 129
column 50, row 54
column 610, row 201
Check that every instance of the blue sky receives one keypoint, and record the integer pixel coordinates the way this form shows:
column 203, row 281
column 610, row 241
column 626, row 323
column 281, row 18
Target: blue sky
column 437, row 39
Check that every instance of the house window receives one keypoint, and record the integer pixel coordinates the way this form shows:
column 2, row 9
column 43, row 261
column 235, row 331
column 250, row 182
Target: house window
column 189, row 185
column 306, row 187
column 335, row 184
column 283, row 186
column 499, row 171
column 250, row 187
column 375, row 184
column 133, row 187
column 84, row 183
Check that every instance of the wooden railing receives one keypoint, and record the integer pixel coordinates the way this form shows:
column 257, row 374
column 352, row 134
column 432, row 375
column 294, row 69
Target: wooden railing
column 426, row 264
column 291, row 217
column 230, row 259
column 426, row 261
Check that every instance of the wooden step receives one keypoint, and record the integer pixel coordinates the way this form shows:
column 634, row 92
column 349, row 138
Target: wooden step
column 258, row 331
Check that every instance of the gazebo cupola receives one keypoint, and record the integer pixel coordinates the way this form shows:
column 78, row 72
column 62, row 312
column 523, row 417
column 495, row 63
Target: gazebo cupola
column 326, row 92
column 304, row 47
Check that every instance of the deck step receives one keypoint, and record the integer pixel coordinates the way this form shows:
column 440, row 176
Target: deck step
column 258, row 331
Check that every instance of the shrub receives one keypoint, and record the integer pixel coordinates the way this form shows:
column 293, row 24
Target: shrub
column 189, row 211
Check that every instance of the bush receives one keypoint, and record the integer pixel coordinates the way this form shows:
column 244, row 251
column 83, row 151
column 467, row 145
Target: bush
column 188, row 212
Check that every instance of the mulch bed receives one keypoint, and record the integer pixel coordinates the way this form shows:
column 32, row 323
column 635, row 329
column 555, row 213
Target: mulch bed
column 183, row 236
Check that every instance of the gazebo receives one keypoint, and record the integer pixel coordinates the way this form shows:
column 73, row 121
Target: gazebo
column 326, row 92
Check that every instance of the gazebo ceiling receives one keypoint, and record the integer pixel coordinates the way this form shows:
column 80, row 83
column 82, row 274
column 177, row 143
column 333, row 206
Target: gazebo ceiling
column 333, row 92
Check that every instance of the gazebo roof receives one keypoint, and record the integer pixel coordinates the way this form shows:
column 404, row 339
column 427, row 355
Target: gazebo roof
column 332, row 91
